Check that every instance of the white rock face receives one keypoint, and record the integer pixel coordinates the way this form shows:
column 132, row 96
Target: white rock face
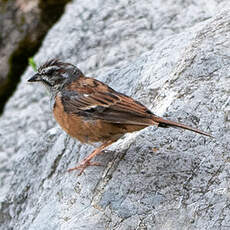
column 174, row 57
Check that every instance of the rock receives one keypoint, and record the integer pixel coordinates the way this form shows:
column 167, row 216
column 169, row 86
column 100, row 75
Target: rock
column 152, row 179
column 23, row 25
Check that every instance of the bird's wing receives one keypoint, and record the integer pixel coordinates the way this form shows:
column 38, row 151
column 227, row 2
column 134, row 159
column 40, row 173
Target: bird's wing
column 105, row 104
column 94, row 100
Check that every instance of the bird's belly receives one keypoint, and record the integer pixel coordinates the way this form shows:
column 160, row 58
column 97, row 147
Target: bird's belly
column 86, row 131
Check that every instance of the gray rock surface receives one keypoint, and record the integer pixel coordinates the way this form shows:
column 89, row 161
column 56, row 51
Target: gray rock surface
column 152, row 179
column 23, row 25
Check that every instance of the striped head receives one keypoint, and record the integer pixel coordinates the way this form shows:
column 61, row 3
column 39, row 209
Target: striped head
column 54, row 74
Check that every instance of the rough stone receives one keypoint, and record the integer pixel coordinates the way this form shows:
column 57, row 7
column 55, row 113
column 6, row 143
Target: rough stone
column 173, row 56
column 23, row 25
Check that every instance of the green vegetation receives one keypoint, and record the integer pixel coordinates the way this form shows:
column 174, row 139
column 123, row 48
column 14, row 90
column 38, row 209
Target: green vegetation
column 32, row 63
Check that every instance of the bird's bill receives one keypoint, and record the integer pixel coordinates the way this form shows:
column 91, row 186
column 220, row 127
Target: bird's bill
column 35, row 78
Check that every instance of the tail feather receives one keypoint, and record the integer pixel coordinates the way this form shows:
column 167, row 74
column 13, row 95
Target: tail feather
column 165, row 123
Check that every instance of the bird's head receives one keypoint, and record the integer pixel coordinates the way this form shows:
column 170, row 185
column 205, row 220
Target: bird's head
column 54, row 74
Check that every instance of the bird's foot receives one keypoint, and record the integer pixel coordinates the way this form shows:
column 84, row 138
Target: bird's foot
column 83, row 165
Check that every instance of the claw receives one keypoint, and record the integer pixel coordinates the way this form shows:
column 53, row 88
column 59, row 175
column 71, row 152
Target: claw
column 87, row 161
column 83, row 166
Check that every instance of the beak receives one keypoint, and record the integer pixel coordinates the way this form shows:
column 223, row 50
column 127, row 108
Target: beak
column 35, row 78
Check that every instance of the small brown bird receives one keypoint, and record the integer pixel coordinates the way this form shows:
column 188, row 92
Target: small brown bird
column 91, row 111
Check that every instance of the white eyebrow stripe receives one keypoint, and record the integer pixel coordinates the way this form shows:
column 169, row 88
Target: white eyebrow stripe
column 48, row 68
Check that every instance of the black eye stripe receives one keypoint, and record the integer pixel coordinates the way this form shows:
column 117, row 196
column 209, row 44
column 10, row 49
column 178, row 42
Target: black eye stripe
column 50, row 71
column 46, row 82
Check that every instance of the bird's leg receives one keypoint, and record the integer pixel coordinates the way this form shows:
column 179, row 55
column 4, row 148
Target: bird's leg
column 87, row 161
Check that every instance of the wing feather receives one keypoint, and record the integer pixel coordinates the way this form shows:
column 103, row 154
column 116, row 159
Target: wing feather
column 109, row 106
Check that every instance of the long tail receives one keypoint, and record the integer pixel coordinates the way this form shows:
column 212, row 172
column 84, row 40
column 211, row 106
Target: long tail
column 165, row 123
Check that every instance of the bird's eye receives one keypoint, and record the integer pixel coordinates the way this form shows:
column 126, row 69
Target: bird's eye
column 49, row 72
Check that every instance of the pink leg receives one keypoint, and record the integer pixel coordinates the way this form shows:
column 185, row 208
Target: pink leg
column 87, row 161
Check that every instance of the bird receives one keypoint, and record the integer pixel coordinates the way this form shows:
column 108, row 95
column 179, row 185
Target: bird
column 91, row 111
